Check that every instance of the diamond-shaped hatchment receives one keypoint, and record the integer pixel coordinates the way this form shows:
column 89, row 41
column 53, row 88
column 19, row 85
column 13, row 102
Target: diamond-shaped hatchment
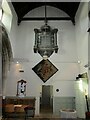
column 45, row 69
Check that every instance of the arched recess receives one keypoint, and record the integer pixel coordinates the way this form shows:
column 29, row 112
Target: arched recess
column 6, row 52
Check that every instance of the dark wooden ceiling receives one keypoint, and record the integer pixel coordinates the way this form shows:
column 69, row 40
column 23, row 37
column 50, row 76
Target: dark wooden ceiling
column 22, row 8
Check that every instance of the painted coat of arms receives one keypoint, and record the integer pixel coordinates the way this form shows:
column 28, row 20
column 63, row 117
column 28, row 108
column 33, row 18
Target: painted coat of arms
column 45, row 69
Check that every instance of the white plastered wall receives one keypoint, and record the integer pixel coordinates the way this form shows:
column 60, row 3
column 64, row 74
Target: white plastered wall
column 65, row 60
column 82, row 52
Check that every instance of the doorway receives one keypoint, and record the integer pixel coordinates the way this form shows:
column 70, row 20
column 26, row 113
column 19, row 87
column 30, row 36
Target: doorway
column 46, row 104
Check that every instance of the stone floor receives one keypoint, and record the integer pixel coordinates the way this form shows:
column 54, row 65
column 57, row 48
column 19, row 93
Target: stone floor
column 42, row 119
column 45, row 114
column 37, row 117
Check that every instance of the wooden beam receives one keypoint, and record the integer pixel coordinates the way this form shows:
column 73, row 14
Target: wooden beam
column 48, row 18
column 43, row 18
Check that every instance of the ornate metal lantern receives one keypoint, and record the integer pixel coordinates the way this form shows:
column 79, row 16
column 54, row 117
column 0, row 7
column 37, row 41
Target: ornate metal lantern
column 45, row 40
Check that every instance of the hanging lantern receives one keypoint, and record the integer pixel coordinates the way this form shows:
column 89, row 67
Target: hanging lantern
column 45, row 40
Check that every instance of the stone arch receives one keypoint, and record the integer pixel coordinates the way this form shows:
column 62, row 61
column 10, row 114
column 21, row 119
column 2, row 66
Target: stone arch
column 6, row 52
